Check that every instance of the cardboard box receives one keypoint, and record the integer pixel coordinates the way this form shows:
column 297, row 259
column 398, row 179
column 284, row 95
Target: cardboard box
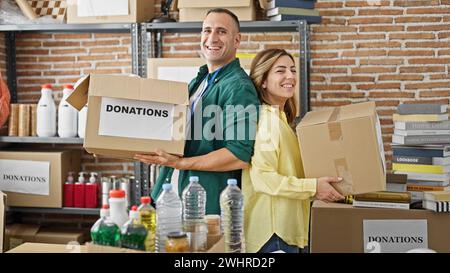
column 94, row 12
column 36, row 178
column 195, row 10
column 346, row 142
column 128, row 115
column 340, row 228
column 215, row 244
column 17, row 234
column 47, row 248
column 186, row 69
column 2, row 220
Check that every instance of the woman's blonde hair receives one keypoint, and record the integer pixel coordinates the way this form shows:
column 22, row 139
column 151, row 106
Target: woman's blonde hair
column 259, row 72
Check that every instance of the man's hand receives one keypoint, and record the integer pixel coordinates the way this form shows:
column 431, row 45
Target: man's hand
column 160, row 157
column 325, row 191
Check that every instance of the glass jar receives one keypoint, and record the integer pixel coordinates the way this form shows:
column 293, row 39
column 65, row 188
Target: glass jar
column 177, row 242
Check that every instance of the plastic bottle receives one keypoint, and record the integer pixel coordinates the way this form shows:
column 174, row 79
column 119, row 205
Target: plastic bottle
column 194, row 206
column 148, row 219
column 168, row 216
column 104, row 231
column 133, row 233
column 68, row 190
column 91, row 192
column 46, row 113
column 118, row 209
column 67, row 115
column 82, row 116
column 232, row 217
column 79, row 192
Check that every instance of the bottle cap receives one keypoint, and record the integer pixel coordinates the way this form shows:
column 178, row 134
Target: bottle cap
column 117, row 194
column 146, row 199
column 81, row 178
column 92, row 179
column 193, row 179
column 105, row 206
column 176, row 234
column 68, row 86
column 134, row 208
column 47, row 86
column 232, row 181
column 167, row 186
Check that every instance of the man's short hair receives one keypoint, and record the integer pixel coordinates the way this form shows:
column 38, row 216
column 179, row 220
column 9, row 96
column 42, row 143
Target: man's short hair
column 222, row 10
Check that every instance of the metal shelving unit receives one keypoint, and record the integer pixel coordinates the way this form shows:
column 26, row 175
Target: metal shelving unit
column 82, row 211
column 48, row 140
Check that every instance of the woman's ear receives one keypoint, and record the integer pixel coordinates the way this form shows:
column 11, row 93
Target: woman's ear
column 264, row 84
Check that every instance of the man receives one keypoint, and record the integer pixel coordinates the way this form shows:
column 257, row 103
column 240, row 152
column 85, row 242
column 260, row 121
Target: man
column 217, row 152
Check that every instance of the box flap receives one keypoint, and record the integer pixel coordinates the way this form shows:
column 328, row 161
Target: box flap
column 48, row 248
column 135, row 88
column 23, row 231
column 322, row 204
column 79, row 96
column 2, row 219
column 213, row 4
column 340, row 113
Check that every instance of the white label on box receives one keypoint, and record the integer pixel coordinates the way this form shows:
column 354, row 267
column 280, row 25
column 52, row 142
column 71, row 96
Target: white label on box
column 102, row 8
column 136, row 119
column 23, row 176
column 394, row 236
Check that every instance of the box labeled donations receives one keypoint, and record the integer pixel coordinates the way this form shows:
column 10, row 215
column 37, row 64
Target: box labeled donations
column 128, row 115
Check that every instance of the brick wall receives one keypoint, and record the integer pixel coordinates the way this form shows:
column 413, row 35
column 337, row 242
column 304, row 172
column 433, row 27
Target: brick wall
column 2, row 56
column 395, row 51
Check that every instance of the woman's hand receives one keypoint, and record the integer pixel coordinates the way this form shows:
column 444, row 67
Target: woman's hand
column 325, row 191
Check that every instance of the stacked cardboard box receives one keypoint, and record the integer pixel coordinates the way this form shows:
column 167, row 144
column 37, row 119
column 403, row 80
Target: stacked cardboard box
column 195, row 10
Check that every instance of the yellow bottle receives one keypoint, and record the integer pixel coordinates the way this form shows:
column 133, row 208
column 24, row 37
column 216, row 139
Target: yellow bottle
column 147, row 214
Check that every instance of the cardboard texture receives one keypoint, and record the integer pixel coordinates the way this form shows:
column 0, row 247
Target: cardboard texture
column 61, row 162
column 94, row 87
column 17, row 234
column 195, row 10
column 215, row 244
column 344, row 142
column 139, row 11
column 339, row 227
column 186, row 69
column 47, row 248
column 2, row 220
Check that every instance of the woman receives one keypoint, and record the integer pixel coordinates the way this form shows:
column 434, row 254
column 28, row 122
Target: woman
column 276, row 196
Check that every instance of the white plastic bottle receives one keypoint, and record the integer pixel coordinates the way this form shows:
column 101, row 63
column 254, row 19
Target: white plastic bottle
column 67, row 115
column 82, row 116
column 46, row 113
column 118, row 207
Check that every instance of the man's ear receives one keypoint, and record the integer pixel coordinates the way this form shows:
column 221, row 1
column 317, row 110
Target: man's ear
column 237, row 40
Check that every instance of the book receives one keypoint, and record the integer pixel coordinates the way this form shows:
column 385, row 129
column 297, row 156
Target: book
column 292, row 11
column 290, row 4
column 287, row 17
column 411, row 187
column 437, row 206
column 421, row 108
column 424, row 150
column 416, row 195
column 421, row 160
column 419, row 168
column 395, row 187
column 426, row 125
column 388, row 205
column 420, row 132
column 428, row 183
column 417, row 140
column 426, row 176
column 396, row 178
column 384, row 196
column 428, row 117
column 437, row 196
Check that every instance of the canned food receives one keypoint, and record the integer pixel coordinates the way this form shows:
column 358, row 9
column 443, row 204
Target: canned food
column 177, row 242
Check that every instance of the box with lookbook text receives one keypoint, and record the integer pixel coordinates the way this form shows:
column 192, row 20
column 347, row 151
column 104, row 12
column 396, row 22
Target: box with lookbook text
column 124, row 112
column 345, row 142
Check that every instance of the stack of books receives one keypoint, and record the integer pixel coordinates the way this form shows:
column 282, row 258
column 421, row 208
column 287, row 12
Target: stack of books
column 383, row 199
column 436, row 201
column 396, row 182
column 285, row 10
column 421, row 147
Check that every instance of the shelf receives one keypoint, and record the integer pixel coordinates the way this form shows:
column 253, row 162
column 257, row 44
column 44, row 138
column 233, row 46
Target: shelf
column 83, row 211
column 68, row 27
column 253, row 26
column 49, row 140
